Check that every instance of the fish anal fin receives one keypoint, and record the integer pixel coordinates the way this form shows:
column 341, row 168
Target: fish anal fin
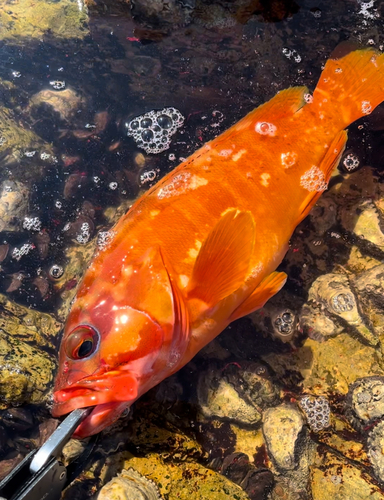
column 327, row 165
column 223, row 261
column 260, row 295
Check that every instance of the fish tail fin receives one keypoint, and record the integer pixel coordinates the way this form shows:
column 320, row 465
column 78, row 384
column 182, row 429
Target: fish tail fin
column 350, row 87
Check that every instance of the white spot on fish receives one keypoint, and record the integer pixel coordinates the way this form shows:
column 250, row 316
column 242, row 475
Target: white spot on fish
column 313, row 180
column 238, row 155
column 225, row 152
column 265, row 179
column 366, row 107
column 265, row 128
column 288, row 159
column 184, row 280
column 153, row 213
column 181, row 183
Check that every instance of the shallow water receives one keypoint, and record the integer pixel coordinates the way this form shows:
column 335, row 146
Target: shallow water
column 67, row 93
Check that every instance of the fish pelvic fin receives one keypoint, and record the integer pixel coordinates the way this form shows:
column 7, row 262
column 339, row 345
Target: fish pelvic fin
column 350, row 87
column 268, row 287
column 222, row 264
column 327, row 165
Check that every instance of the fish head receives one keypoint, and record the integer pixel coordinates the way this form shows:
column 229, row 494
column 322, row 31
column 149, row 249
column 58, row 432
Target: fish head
column 116, row 348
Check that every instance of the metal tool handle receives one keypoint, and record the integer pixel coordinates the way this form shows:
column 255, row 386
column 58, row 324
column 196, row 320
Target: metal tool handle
column 56, row 442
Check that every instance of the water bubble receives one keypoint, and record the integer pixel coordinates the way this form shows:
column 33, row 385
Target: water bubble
column 56, row 271
column 265, row 128
column 164, row 121
column 32, row 223
column 147, row 135
column 351, row 162
column 153, row 130
column 104, row 238
column 57, row 84
column 366, row 107
column 18, row 253
column 148, row 176
column 113, row 185
column 292, row 54
column 288, row 159
column 146, row 123
column 134, row 125
column 308, row 98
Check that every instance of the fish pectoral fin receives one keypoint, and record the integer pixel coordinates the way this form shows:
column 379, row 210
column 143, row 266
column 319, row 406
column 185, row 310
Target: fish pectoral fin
column 260, row 295
column 223, row 261
column 181, row 328
column 328, row 164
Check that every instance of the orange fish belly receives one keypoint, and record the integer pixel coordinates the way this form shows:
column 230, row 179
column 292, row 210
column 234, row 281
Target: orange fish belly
column 200, row 248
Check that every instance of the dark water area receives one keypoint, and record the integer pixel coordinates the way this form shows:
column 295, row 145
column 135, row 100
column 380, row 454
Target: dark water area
column 67, row 102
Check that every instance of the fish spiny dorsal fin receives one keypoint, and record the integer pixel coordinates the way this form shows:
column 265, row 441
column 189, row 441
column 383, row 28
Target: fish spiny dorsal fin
column 284, row 103
column 350, row 87
column 260, row 295
column 223, row 261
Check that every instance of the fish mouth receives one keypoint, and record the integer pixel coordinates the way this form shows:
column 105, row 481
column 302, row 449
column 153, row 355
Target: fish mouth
column 109, row 395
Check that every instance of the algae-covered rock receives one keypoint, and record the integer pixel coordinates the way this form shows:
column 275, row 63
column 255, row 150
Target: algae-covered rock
column 26, row 373
column 26, row 369
column 327, row 367
column 30, row 19
column 186, row 480
column 333, row 477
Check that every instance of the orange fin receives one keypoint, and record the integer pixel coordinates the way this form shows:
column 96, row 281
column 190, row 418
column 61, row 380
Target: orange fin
column 328, row 164
column 350, row 87
column 181, row 328
column 284, row 103
column 223, row 261
column 262, row 293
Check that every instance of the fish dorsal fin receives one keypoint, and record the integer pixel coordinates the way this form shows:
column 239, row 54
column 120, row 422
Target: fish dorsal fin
column 260, row 295
column 327, row 165
column 223, row 261
column 284, row 103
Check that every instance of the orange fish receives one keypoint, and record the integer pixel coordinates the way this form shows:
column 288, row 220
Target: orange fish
column 200, row 248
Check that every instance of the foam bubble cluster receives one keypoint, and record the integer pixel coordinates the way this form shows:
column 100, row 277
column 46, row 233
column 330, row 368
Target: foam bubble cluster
column 313, row 180
column 153, row 131
column 317, row 412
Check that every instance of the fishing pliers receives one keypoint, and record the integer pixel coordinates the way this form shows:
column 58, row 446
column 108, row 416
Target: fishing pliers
column 41, row 476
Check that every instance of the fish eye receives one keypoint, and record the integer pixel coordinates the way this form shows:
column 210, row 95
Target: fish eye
column 81, row 343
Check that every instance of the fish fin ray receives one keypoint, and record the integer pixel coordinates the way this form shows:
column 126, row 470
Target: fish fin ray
column 260, row 295
column 223, row 261
column 181, row 314
column 327, row 165
column 351, row 86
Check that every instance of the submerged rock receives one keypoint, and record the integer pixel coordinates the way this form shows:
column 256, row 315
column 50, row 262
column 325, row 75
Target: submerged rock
column 14, row 198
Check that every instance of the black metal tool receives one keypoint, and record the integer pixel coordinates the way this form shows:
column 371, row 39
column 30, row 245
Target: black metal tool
column 40, row 476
